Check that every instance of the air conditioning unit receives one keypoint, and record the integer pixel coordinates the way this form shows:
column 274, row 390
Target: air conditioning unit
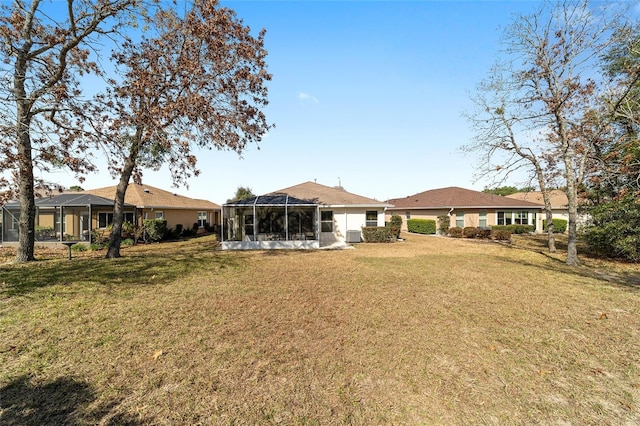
column 353, row 236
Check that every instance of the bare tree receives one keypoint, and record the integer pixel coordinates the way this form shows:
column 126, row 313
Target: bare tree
column 198, row 82
column 45, row 49
column 548, row 87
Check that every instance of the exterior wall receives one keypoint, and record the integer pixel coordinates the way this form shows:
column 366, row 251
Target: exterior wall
column 348, row 219
column 471, row 216
column 415, row 214
column 183, row 217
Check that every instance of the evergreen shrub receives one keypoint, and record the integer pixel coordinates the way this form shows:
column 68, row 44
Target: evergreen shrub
column 421, row 226
column 377, row 234
column 455, row 232
column 559, row 225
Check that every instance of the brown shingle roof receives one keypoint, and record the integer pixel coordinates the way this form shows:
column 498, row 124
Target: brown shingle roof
column 558, row 198
column 457, row 197
column 146, row 196
column 327, row 195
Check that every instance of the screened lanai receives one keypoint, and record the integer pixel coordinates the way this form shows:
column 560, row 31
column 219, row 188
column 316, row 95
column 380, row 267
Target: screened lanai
column 63, row 217
column 270, row 222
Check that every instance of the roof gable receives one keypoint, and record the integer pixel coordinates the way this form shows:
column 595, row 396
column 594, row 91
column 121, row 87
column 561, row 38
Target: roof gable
column 452, row 197
column 327, row 195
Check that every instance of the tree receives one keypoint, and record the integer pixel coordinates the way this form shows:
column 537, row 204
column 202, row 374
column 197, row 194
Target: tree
column 196, row 81
column 242, row 193
column 538, row 105
column 44, row 53
column 507, row 190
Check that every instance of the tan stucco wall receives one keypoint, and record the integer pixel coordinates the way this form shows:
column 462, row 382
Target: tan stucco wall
column 471, row 216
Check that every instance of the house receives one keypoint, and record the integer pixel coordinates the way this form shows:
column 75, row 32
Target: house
column 466, row 207
column 559, row 201
column 155, row 203
column 62, row 217
column 305, row 216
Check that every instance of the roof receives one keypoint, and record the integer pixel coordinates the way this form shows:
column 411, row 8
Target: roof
column 272, row 200
column 557, row 197
column 70, row 199
column 328, row 196
column 454, row 197
column 146, row 196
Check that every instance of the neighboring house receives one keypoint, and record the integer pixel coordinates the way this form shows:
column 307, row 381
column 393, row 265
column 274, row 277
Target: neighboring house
column 155, row 203
column 466, row 207
column 559, row 201
column 308, row 215
column 63, row 217
column 559, row 204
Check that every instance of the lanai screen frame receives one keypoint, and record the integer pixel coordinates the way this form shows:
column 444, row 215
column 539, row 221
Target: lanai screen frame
column 260, row 203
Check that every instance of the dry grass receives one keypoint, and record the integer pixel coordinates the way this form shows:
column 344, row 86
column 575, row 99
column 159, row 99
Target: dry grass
column 429, row 331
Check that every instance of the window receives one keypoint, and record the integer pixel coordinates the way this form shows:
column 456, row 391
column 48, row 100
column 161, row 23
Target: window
column 504, row 218
column 460, row 219
column 248, row 225
column 159, row 215
column 372, row 218
column 407, row 215
column 104, row 219
column 202, row 219
column 128, row 217
column 521, row 218
column 482, row 219
column 326, row 221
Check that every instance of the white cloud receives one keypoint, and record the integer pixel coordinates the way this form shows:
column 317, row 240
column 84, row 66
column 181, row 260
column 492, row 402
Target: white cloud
column 307, row 97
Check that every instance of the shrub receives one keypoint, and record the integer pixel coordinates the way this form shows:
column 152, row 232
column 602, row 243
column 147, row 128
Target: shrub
column 421, row 226
column 377, row 234
column 395, row 223
column 127, row 242
column 443, row 224
column 559, row 225
column 484, row 233
column 79, row 247
column 501, row 234
column 155, row 229
column 470, row 231
column 615, row 231
column 514, row 229
column 455, row 232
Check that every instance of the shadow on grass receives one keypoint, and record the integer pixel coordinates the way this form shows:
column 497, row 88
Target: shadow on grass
column 149, row 265
column 64, row 401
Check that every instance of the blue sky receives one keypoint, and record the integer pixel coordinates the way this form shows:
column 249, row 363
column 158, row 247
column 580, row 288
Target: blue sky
column 366, row 93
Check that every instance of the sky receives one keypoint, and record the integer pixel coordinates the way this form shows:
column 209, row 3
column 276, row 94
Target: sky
column 368, row 95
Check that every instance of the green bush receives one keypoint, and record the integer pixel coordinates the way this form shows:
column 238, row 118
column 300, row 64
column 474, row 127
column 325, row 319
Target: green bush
column 515, row 229
column 559, row 225
column 443, row 224
column 96, row 246
column 377, row 234
column 155, row 229
column 455, row 232
column 501, row 234
column 79, row 247
column 615, row 231
column 395, row 223
column 421, row 226
column 127, row 242
column 470, row 231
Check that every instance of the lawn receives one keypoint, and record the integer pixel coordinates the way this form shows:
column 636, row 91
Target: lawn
column 427, row 331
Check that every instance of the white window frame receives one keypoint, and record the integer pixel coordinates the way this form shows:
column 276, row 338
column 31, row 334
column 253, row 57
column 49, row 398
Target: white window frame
column 460, row 219
column 202, row 219
column 108, row 219
column 371, row 222
column 326, row 225
column 482, row 218
column 158, row 215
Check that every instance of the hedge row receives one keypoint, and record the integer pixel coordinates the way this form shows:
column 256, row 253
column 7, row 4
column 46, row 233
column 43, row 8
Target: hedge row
column 559, row 225
column 377, row 234
column 472, row 232
column 421, row 226
column 514, row 229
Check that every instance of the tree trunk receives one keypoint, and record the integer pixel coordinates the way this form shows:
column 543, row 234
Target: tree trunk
column 26, row 234
column 572, row 195
column 551, row 239
column 115, row 238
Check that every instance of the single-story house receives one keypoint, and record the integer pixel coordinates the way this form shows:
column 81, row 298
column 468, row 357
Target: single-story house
column 466, row 207
column 155, row 203
column 559, row 201
column 63, row 217
column 306, row 216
